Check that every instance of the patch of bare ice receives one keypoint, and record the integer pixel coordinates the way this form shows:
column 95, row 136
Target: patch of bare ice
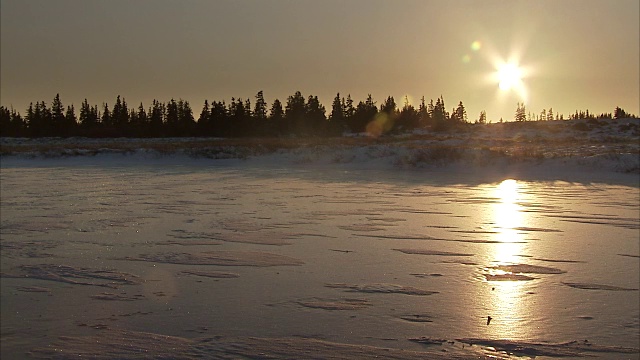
column 381, row 288
column 419, row 318
column 527, row 269
column 37, row 289
column 431, row 252
column 591, row 286
column 567, row 349
column 210, row 274
column 508, row 277
column 117, row 344
column 116, row 297
column 221, row 258
column 335, row 304
column 75, row 275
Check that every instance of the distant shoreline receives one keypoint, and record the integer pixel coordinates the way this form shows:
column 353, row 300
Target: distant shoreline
column 542, row 139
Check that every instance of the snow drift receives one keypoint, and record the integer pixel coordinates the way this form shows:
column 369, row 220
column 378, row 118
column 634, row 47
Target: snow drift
column 545, row 149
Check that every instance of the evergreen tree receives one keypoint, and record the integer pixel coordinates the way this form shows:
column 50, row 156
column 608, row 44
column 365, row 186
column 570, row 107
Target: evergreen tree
column 172, row 124
column 260, row 109
column 482, row 119
column 30, row 118
column 186, row 122
column 619, row 113
column 295, row 113
column 385, row 120
column 364, row 113
column 247, row 108
column 337, row 117
column 409, row 117
column 123, row 117
column 46, row 115
column 276, row 118
column 120, row 115
column 106, row 119
column 11, row 123
column 337, row 109
column 95, row 115
column 440, row 116
column 70, row 121
column 5, row 121
column 18, row 125
column 237, row 125
column 423, row 114
column 349, row 110
column 315, row 119
column 219, row 118
column 138, row 122
column 520, row 112
column 156, row 118
column 204, row 120
column 459, row 114
column 116, row 112
column 389, row 107
column 204, row 114
column 57, row 117
column 87, row 120
column 142, row 117
column 133, row 125
column 35, row 121
column 431, row 108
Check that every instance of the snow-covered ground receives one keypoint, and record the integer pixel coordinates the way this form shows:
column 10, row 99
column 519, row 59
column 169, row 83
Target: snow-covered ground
column 566, row 150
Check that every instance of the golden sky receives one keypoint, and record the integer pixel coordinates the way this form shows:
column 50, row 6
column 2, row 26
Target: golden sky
column 568, row 54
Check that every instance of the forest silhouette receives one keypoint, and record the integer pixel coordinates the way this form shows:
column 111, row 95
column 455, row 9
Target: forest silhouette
column 300, row 116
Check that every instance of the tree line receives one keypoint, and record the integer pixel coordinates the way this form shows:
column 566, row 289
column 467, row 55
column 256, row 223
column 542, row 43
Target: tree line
column 548, row 115
column 240, row 118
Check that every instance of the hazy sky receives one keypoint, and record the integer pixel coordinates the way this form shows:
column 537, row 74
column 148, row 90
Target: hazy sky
column 572, row 54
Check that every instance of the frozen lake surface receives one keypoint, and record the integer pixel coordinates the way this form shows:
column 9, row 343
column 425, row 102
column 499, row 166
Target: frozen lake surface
column 233, row 261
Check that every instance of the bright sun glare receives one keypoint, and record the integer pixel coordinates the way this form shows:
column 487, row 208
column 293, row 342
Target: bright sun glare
column 509, row 76
column 508, row 217
column 508, row 190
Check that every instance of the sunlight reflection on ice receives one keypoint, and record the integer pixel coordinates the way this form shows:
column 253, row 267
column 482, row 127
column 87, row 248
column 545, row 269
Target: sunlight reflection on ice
column 508, row 217
column 505, row 303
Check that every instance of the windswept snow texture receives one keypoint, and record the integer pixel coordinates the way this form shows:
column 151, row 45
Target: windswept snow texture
column 301, row 253
column 548, row 150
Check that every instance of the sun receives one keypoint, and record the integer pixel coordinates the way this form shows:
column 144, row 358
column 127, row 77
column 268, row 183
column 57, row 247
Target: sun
column 509, row 76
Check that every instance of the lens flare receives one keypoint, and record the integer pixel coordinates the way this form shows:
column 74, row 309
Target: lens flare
column 476, row 45
column 380, row 125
